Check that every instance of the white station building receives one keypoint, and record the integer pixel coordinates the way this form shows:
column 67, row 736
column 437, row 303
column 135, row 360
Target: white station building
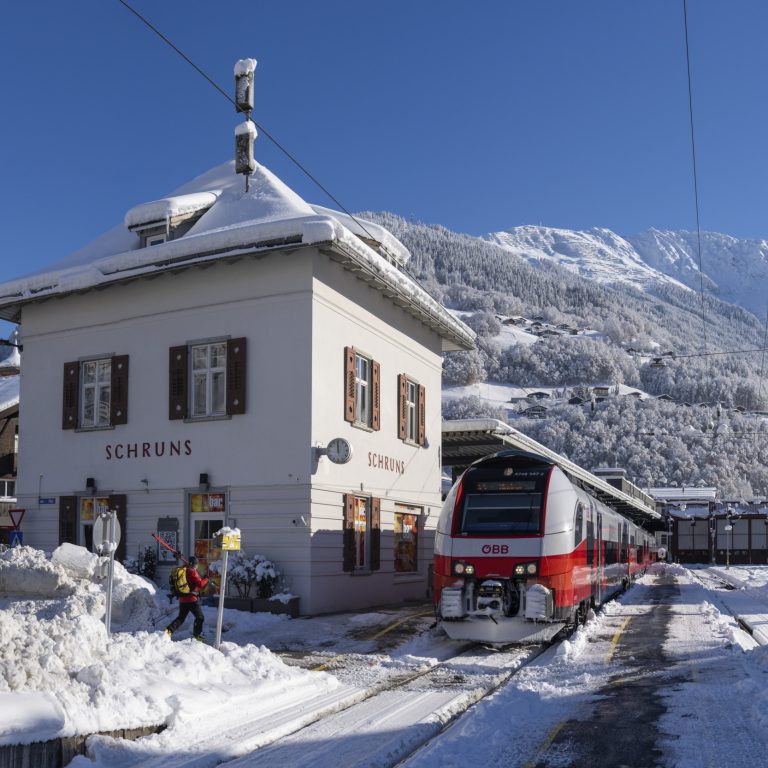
column 240, row 358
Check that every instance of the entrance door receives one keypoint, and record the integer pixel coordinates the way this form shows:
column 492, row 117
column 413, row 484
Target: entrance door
column 600, row 560
column 90, row 508
column 207, row 514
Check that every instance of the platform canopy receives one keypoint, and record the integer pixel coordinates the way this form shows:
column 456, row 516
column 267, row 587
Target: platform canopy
column 466, row 440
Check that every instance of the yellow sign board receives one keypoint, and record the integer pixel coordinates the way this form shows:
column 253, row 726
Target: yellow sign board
column 230, row 541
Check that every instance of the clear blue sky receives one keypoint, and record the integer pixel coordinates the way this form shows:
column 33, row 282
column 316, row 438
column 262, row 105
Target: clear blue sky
column 475, row 115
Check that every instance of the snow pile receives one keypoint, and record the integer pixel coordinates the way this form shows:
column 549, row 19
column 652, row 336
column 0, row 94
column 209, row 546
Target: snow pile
column 61, row 675
column 26, row 571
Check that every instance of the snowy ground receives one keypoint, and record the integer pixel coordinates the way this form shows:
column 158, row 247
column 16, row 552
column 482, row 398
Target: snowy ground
column 62, row 675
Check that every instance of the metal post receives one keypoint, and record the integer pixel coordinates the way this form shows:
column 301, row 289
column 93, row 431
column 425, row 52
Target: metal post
column 111, row 568
column 222, row 589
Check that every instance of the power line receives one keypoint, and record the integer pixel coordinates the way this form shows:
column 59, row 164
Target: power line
column 695, row 178
column 232, row 101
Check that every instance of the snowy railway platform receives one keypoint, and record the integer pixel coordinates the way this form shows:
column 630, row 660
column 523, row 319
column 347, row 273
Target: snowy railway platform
column 664, row 675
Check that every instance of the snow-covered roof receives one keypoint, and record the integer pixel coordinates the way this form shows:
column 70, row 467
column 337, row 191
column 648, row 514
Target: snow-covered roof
column 683, row 494
column 9, row 392
column 237, row 222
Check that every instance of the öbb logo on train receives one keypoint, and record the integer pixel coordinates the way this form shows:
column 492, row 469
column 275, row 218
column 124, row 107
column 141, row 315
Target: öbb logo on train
column 495, row 549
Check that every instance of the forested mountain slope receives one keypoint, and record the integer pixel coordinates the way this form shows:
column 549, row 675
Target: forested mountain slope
column 697, row 438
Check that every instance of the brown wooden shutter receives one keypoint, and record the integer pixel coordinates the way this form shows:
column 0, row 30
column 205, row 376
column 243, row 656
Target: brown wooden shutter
column 349, row 384
column 349, row 532
column 177, row 383
column 402, row 406
column 118, row 406
column 422, row 416
column 375, row 395
column 375, row 534
column 68, row 519
column 117, row 502
column 236, row 376
column 71, row 395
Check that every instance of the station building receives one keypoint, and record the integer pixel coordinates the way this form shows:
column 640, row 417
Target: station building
column 240, row 358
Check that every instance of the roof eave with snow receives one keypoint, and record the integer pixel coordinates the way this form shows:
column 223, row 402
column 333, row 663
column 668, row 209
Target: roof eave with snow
column 322, row 231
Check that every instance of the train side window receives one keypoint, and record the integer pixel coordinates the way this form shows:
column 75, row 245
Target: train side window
column 578, row 525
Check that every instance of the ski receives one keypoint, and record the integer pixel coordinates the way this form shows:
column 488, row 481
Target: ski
column 168, row 546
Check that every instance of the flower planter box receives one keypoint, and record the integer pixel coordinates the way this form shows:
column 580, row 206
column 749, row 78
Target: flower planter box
column 238, row 603
column 263, row 605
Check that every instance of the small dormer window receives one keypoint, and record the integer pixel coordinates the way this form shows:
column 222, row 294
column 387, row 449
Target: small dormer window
column 168, row 219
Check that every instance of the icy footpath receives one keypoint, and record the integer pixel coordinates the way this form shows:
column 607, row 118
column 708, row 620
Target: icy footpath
column 60, row 675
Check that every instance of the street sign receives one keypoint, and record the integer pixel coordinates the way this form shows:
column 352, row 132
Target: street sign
column 47, row 500
column 106, row 533
column 16, row 539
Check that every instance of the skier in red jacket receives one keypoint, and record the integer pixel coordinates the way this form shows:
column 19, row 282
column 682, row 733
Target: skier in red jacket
column 189, row 603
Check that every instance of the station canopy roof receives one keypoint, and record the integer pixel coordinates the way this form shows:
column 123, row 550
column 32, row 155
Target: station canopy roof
column 466, row 440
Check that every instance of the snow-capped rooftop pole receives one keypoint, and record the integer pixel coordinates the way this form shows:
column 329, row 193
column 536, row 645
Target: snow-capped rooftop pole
column 245, row 133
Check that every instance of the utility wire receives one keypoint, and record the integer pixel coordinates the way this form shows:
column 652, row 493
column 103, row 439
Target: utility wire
column 232, row 101
column 695, row 177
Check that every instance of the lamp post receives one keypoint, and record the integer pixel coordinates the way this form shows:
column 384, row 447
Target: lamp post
column 728, row 528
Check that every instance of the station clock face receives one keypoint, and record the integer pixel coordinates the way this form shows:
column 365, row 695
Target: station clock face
column 339, row 450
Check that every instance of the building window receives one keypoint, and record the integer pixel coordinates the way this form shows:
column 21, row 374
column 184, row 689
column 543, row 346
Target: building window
column 95, row 393
column 411, row 411
column 207, row 379
column 8, row 489
column 362, row 533
column 208, row 514
column 209, row 375
column 154, row 240
column 361, row 389
column 406, row 538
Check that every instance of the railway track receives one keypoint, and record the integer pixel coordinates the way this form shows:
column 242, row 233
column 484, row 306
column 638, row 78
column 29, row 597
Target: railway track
column 393, row 722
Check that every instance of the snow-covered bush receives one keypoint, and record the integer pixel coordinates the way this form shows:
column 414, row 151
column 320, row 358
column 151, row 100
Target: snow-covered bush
column 253, row 573
column 145, row 564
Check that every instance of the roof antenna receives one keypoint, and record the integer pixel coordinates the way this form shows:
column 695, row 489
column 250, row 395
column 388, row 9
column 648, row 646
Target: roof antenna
column 245, row 133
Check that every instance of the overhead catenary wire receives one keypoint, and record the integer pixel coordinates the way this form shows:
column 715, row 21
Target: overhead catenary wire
column 261, row 128
column 695, row 177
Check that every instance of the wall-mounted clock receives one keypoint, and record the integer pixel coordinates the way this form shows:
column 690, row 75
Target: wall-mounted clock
column 339, row 451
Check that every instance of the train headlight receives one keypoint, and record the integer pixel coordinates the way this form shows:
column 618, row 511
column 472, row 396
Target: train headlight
column 460, row 568
column 525, row 569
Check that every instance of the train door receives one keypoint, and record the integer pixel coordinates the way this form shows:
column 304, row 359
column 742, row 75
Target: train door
column 599, row 562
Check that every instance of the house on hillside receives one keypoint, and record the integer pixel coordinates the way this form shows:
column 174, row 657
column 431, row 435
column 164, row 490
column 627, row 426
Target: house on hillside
column 535, row 412
column 239, row 358
column 9, row 434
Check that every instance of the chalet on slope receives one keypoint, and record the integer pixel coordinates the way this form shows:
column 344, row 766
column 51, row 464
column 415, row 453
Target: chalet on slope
column 9, row 437
column 240, row 358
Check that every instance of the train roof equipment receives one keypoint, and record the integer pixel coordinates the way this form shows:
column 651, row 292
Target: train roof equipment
column 466, row 440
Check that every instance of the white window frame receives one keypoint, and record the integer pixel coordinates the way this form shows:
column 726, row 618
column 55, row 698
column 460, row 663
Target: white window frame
column 4, row 485
column 98, row 388
column 154, row 240
column 363, row 389
column 411, row 411
column 205, row 377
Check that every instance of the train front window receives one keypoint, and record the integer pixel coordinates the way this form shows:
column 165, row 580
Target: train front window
column 500, row 500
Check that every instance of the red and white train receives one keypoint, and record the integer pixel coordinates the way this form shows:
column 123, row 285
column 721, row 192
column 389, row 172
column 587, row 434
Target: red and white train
column 521, row 551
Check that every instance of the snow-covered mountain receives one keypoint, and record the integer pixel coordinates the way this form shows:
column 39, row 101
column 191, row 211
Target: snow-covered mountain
column 734, row 270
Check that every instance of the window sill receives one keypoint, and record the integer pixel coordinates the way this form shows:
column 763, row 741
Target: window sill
column 361, row 572
column 363, row 426
column 94, row 429
column 195, row 419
